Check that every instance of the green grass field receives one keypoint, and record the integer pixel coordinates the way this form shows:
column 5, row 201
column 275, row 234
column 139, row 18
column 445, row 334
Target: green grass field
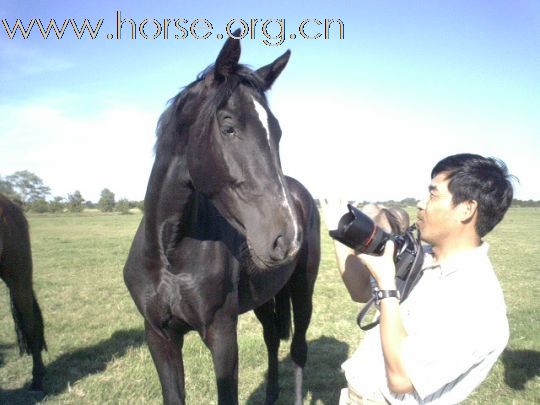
column 97, row 352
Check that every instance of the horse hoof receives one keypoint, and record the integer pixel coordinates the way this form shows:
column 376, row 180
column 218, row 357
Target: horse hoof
column 271, row 399
column 36, row 388
column 37, row 394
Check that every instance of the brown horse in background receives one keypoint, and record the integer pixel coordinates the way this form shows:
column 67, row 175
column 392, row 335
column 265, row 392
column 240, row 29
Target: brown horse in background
column 394, row 220
column 16, row 271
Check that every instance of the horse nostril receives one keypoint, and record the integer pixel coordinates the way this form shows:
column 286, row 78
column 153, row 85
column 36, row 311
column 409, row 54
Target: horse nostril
column 279, row 249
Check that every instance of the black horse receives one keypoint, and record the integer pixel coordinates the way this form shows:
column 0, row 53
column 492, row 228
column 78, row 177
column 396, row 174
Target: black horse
column 16, row 271
column 224, row 230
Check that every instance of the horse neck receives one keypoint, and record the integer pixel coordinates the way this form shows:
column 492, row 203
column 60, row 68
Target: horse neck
column 166, row 204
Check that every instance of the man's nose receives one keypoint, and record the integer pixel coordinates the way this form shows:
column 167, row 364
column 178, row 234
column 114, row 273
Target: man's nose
column 421, row 204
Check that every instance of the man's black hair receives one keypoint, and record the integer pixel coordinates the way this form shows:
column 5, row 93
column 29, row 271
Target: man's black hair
column 485, row 180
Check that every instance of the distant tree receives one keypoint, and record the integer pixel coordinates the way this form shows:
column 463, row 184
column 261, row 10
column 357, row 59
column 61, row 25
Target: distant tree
column 57, row 204
column 389, row 203
column 90, row 205
column 106, row 203
column 525, row 203
column 6, row 188
column 75, row 202
column 28, row 186
column 122, row 206
column 408, row 202
column 39, row 206
column 140, row 205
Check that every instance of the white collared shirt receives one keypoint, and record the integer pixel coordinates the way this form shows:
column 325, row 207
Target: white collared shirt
column 456, row 324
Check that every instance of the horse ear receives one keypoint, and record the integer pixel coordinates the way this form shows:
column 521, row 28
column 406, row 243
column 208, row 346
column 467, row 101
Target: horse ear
column 228, row 57
column 270, row 73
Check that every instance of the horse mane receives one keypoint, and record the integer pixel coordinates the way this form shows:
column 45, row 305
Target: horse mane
column 396, row 226
column 392, row 221
column 179, row 114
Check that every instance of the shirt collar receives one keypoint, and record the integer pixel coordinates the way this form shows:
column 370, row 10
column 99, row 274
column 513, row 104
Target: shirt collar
column 458, row 261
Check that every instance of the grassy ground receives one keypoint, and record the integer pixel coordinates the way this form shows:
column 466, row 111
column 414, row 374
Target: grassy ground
column 97, row 352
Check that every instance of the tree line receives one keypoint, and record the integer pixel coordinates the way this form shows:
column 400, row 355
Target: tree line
column 28, row 190
column 406, row 202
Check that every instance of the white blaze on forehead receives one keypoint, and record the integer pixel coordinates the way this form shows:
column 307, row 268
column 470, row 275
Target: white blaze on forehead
column 263, row 118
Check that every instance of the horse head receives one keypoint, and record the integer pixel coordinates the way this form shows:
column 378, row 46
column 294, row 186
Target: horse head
column 232, row 154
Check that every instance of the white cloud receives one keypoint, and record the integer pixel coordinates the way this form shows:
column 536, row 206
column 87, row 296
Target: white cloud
column 112, row 148
column 343, row 146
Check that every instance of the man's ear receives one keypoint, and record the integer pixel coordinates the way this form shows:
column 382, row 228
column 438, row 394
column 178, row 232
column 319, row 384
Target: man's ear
column 467, row 210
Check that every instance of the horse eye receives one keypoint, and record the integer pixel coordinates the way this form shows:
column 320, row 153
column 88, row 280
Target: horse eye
column 228, row 130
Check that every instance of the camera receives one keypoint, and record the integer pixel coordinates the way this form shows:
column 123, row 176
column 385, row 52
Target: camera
column 358, row 231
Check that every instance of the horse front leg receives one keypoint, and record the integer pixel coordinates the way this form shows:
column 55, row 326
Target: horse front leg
column 301, row 296
column 222, row 341
column 265, row 315
column 167, row 356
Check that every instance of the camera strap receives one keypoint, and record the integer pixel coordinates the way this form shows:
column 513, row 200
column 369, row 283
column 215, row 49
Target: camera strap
column 409, row 262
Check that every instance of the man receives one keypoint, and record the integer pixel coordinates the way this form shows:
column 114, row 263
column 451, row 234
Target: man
column 441, row 342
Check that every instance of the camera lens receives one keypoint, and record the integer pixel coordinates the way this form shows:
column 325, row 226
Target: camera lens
column 359, row 232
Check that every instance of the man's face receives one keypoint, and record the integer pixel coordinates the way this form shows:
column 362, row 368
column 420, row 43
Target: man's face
column 437, row 215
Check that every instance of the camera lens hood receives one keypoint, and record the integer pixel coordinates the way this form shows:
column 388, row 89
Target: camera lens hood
column 357, row 231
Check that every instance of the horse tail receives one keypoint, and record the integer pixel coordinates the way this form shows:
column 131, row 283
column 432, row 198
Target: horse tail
column 23, row 340
column 283, row 313
column 41, row 326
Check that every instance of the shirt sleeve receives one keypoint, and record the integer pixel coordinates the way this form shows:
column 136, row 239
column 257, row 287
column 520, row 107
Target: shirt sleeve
column 450, row 346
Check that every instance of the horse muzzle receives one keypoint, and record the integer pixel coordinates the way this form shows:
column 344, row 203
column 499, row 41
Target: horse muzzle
column 280, row 253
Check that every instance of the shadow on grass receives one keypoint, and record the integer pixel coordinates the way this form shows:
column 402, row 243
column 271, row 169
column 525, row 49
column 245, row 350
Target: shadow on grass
column 19, row 396
column 4, row 347
column 74, row 366
column 520, row 366
column 323, row 378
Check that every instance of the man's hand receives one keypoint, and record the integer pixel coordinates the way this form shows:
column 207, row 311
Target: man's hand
column 354, row 274
column 382, row 268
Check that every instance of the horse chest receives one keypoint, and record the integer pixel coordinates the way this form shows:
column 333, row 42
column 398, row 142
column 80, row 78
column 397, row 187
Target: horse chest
column 200, row 279
column 256, row 287
column 204, row 276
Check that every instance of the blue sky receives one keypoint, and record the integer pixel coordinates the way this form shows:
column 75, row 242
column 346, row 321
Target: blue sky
column 364, row 117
